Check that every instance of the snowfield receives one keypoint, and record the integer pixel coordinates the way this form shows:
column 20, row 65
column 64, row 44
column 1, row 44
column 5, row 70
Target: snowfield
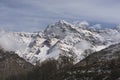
column 61, row 37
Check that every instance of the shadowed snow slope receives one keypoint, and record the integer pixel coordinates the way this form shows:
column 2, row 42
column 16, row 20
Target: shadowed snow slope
column 58, row 38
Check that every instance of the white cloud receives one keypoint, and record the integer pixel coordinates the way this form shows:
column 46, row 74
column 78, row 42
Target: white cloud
column 39, row 13
column 97, row 26
column 7, row 41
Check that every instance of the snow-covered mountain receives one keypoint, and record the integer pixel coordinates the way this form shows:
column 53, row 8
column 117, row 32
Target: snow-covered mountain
column 59, row 39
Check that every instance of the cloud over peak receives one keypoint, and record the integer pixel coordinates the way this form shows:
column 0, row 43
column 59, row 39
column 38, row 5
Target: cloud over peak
column 36, row 14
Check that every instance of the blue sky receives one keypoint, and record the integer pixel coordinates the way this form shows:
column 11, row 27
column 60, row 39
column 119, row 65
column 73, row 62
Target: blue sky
column 35, row 15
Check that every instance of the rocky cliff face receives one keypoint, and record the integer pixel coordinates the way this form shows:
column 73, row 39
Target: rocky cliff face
column 61, row 37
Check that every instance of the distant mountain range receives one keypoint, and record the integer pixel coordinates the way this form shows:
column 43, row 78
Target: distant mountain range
column 63, row 51
column 58, row 38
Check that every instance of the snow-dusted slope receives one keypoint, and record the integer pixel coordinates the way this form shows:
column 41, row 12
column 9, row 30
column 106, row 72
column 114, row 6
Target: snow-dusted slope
column 61, row 37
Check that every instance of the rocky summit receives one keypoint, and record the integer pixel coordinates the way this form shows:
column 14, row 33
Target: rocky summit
column 58, row 38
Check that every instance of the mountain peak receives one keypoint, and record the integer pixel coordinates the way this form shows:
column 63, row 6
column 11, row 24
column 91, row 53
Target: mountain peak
column 60, row 28
column 40, row 46
column 63, row 22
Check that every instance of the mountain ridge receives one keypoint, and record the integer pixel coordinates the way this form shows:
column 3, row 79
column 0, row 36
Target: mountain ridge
column 11, row 64
column 62, row 37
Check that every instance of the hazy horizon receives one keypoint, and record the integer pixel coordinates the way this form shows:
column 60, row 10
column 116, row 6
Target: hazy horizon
column 29, row 15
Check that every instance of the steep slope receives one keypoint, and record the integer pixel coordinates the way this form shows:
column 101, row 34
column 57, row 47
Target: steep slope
column 58, row 38
column 101, row 65
column 107, row 54
column 62, row 37
column 12, row 64
column 74, row 38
